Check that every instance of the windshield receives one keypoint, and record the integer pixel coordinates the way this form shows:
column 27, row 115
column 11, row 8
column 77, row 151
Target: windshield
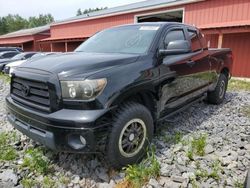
column 38, row 55
column 127, row 39
column 18, row 56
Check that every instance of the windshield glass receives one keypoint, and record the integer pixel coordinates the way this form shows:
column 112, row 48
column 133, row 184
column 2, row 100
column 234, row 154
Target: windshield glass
column 18, row 56
column 127, row 39
column 38, row 55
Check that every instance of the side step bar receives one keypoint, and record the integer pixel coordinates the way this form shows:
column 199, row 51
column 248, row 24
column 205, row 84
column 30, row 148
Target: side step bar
column 166, row 118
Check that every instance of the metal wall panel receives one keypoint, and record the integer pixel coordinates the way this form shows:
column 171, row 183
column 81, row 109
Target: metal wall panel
column 89, row 27
column 217, row 11
column 240, row 45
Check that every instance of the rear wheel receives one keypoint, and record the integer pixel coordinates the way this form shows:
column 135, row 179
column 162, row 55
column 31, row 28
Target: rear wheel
column 130, row 136
column 218, row 94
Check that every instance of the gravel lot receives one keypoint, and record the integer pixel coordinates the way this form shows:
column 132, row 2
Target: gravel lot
column 226, row 129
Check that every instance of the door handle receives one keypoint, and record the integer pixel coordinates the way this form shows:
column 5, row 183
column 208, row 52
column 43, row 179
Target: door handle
column 190, row 63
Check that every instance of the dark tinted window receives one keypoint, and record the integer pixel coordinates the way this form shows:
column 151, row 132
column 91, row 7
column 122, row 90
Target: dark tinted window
column 29, row 55
column 174, row 35
column 195, row 42
column 9, row 55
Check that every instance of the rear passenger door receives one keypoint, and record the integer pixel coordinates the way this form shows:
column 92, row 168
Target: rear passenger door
column 199, row 61
column 180, row 74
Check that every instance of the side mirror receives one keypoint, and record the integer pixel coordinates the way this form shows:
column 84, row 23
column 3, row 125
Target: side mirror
column 175, row 48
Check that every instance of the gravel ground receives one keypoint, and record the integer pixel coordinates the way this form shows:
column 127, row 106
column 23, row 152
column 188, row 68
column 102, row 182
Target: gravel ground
column 224, row 164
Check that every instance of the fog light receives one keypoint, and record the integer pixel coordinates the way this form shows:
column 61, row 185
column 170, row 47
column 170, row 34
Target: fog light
column 77, row 141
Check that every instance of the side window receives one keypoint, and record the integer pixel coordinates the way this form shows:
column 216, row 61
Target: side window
column 177, row 34
column 28, row 56
column 7, row 55
column 195, row 42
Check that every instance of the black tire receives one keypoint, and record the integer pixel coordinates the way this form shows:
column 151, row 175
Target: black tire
column 131, row 120
column 218, row 94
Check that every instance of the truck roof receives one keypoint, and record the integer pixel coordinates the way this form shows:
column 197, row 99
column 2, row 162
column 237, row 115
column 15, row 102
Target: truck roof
column 158, row 24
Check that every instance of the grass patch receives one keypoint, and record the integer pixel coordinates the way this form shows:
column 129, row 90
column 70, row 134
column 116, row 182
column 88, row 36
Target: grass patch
column 5, row 77
column 29, row 182
column 35, row 160
column 139, row 174
column 176, row 138
column 8, row 154
column 201, row 174
column 238, row 184
column 246, row 110
column 196, row 146
column 238, row 85
column 216, row 169
column 8, row 151
column 47, row 182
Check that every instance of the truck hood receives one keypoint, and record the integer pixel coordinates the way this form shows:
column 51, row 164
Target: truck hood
column 79, row 63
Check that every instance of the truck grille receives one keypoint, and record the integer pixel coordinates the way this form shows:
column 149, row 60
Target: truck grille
column 31, row 93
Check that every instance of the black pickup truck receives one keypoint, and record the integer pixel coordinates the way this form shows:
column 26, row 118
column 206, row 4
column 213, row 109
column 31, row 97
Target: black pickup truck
column 112, row 92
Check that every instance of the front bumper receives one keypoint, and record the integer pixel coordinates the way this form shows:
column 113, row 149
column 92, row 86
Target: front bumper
column 61, row 130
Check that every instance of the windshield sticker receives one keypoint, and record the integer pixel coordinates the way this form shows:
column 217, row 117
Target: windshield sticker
column 149, row 28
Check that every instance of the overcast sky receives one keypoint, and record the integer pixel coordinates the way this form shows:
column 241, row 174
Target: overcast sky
column 60, row 9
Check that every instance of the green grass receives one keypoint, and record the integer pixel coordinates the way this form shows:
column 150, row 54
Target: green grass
column 190, row 154
column 246, row 110
column 238, row 184
column 202, row 174
column 176, row 138
column 46, row 182
column 5, row 77
column 8, row 151
column 35, row 161
column 238, row 85
column 29, row 182
column 196, row 146
column 139, row 174
column 216, row 169
column 8, row 154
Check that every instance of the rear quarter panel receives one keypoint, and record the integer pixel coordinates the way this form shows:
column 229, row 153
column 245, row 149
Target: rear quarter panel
column 221, row 59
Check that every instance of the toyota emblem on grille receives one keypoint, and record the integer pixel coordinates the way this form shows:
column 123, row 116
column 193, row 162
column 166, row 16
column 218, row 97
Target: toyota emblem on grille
column 25, row 90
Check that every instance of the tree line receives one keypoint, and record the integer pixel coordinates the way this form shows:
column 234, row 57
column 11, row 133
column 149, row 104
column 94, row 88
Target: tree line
column 11, row 23
column 86, row 11
column 14, row 22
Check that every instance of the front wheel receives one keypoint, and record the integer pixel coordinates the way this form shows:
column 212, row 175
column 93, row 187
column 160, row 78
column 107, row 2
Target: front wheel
column 130, row 136
column 218, row 94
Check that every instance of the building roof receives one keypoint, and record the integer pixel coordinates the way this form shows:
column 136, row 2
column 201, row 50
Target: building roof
column 240, row 23
column 16, row 41
column 25, row 32
column 140, row 6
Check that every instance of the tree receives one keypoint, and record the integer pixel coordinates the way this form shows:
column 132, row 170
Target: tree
column 79, row 12
column 40, row 20
column 86, row 11
column 15, row 22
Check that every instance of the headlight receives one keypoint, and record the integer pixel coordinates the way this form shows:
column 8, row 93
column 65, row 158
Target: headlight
column 82, row 90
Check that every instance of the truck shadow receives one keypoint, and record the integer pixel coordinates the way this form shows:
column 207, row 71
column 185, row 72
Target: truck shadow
column 93, row 168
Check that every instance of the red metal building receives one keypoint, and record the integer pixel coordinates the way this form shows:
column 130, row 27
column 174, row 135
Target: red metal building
column 225, row 23
column 27, row 39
